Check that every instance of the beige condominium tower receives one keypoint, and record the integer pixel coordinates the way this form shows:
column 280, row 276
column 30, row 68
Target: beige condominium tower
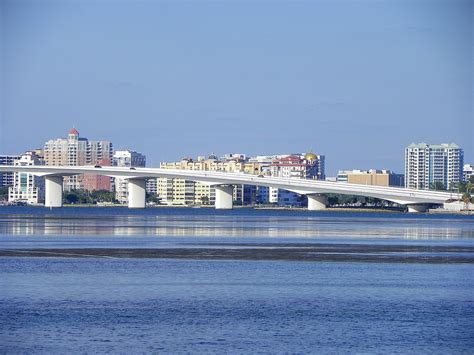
column 76, row 150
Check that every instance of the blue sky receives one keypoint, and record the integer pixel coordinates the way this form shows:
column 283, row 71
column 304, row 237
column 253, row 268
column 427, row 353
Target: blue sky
column 354, row 80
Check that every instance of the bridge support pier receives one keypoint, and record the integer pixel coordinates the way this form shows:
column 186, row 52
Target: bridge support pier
column 224, row 197
column 417, row 208
column 136, row 193
column 53, row 191
column 317, row 202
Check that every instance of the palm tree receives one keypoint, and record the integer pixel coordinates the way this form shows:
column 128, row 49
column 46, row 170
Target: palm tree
column 466, row 197
column 437, row 185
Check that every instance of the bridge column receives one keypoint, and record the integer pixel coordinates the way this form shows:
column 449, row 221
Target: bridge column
column 224, row 197
column 136, row 193
column 53, row 191
column 417, row 208
column 317, row 202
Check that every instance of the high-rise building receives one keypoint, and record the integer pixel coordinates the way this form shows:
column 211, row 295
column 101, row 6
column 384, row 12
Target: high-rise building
column 428, row 164
column 126, row 159
column 6, row 179
column 371, row 177
column 74, row 151
column 468, row 171
column 26, row 187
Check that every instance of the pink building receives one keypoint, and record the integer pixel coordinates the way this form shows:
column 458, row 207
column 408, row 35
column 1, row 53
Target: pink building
column 94, row 182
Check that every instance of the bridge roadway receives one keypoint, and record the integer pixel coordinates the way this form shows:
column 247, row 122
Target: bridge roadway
column 315, row 190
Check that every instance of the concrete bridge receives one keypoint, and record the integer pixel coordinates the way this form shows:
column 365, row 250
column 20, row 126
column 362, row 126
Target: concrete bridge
column 315, row 190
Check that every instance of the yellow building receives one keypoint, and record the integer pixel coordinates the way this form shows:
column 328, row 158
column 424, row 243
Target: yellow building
column 185, row 192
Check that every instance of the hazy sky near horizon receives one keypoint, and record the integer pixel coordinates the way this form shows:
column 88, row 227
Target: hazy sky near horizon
column 356, row 80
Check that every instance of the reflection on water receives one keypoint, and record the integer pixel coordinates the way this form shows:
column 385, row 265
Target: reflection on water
column 238, row 223
column 104, row 304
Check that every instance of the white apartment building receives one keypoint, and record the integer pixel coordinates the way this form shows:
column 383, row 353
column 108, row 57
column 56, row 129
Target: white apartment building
column 6, row 179
column 151, row 186
column 468, row 171
column 264, row 194
column 234, row 156
column 127, row 159
column 76, row 150
column 426, row 164
column 27, row 187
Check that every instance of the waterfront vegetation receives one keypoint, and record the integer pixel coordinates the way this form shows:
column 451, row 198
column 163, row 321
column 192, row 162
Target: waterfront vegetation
column 335, row 200
column 88, row 197
column 460, row 187
column 466, row 188
column 78, row 197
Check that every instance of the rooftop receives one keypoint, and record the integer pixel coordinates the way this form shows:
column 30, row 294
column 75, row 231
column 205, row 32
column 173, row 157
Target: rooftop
column 433, row 146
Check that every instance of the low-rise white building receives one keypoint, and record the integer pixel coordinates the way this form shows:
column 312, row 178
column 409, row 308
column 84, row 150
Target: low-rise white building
column 467, row 171
column 26, row 187
column 6, row 179
column 127, row 159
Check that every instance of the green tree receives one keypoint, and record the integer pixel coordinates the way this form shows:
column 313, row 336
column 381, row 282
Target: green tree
column 437, row 185
column 459, row 187
column 466, row 198
column 152, row 198
column 90, row 197
column 204, row 200
column 333, row 200
column 3, row 193
column 71, row 197
column 101, row 196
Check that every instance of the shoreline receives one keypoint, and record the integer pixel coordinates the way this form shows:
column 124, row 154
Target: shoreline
column 269, row 208
column 269, row 252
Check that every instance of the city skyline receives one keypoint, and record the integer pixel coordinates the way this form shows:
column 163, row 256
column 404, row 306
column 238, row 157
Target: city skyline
column 215, row 77
column 427, row 167
column 195, row 155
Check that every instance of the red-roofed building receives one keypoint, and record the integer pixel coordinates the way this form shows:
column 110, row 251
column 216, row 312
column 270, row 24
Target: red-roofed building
column 307, row 166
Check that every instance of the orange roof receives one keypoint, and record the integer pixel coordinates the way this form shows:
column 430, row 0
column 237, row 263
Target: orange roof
column 74, row 131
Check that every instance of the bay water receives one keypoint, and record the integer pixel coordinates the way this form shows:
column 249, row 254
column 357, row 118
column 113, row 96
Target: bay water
column 89, row 304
